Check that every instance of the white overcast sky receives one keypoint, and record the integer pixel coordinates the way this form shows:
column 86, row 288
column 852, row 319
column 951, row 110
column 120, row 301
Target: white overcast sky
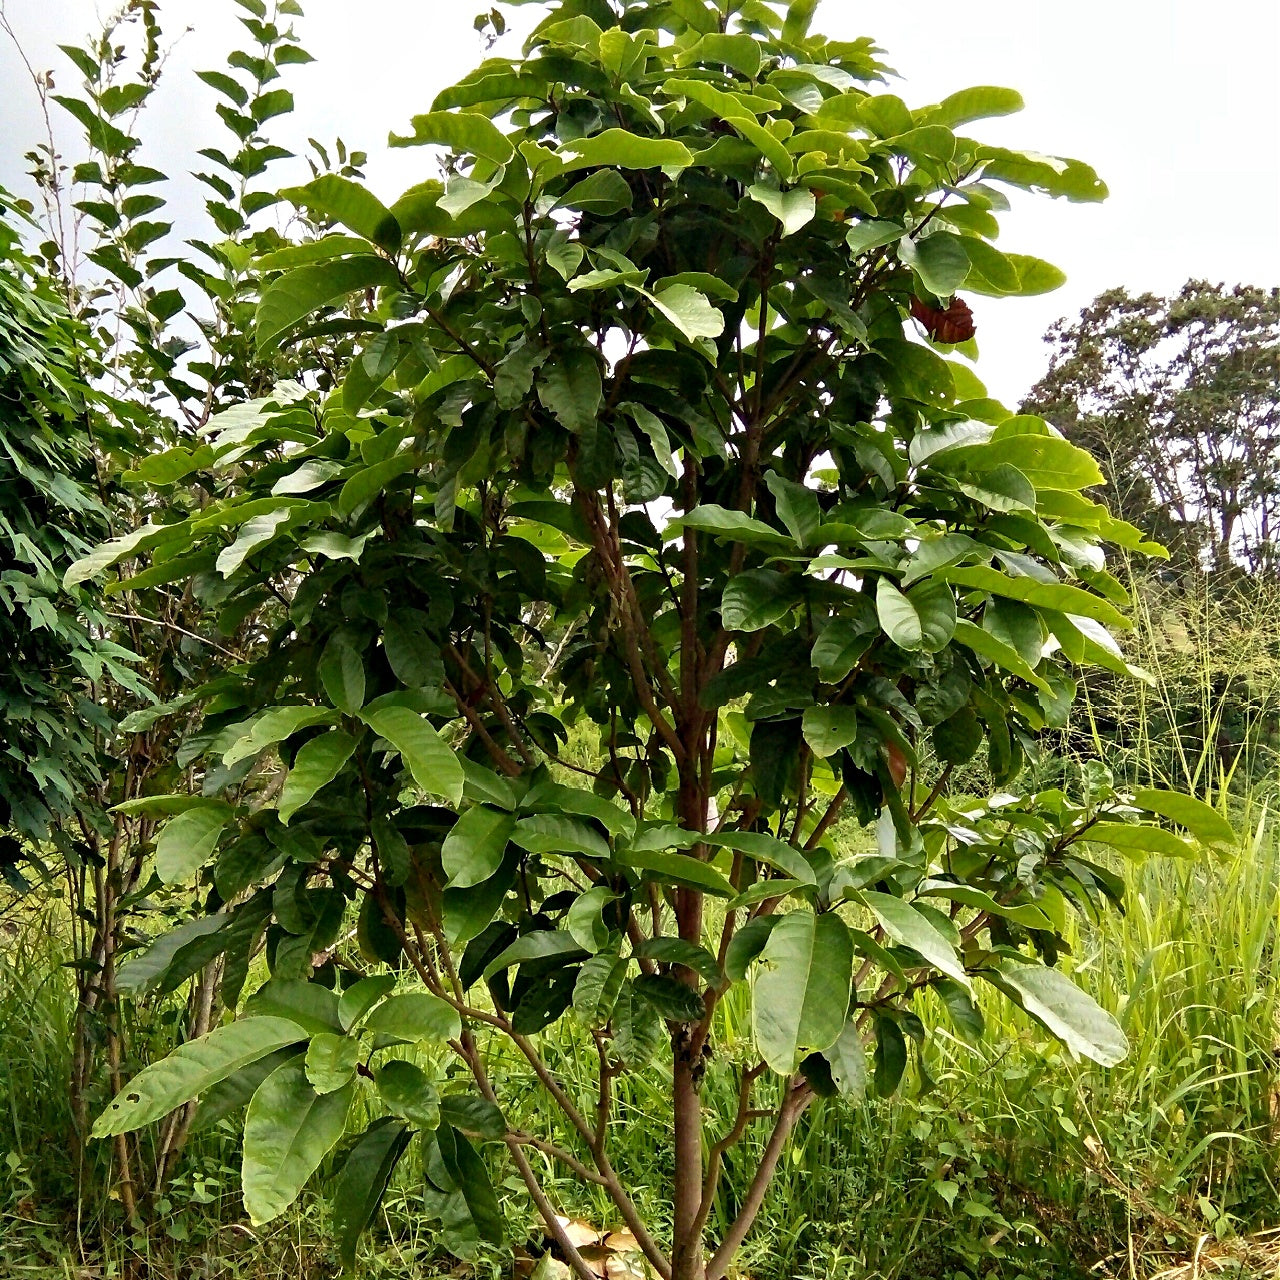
column 1175, row 102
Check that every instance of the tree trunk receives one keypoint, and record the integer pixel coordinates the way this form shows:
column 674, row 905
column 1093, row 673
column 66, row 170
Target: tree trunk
column 687, row 1259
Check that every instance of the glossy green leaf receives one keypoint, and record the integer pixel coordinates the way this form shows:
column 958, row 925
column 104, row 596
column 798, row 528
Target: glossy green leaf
column 939, row 260
column 416, row 1015
column 677, row 868
column 276, row 725
column 619, row 149
column 767, row 849
column 342, row 674
column 187, row 842
column 362, row 1181
column 794, row 209
column 828, row 729
column 346, row 201
column 331, row 1061
column 358, row 999
column 434, row 766
column 317, row 763
column 298, row 293
column 409, row 1092
column 191, row 1069
column 570, row 388
column 1202, row 820
column 800, row 1000
column 689, row 310
column 1067, row 1012
column 463, row 132
column 288, row 1131
column 756, row 599
column 474, row 847
column 979, row 103
column 542, row 944
column 924, row 617
column 911, row 928
column 596, row 990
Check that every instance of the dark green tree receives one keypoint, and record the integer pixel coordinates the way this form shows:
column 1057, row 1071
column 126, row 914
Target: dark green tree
column 642, row 438
column 53, row 640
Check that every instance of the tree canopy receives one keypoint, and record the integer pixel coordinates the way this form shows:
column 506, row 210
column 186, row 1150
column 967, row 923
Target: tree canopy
column 599, row 525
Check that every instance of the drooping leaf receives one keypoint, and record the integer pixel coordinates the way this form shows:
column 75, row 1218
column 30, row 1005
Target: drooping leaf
column 1068, row 1012
column 800, row 999
column 288, row 1131
column 359, row 1187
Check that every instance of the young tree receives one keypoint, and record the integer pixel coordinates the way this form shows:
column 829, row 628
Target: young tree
column 642, row 438
column 1177, row 398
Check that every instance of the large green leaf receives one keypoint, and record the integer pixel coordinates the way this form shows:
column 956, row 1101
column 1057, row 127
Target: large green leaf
column 1049, row 462
column 473, row 849
column 317, row 763
column 800, row 999
column 288, row 1130
column 1069, row 1013
column 939, row 260
column 828, row 729
column 471, row 1178
column 416, row 1015
column 761, row 847
column 342, row 674
column 409, row 1092
column 756, row 599
column 465, row 132
column 331, row 1061
column 557, row 833
column 618, row 149
column 359, row 1187
column 433, row 764
column 848, row 1062
column 298, row 293
column 275, row 726
column 191, row 1069
column 543, row 944
column 570, row 388
column 1059, row 596
column 311, row 1006
column 690, row 310
column 794, row 209
column 1202, row 820
column 187, row 842
column 678, row 868
column 347, row 202
column 905, row 925
column 924, row 617
column 597, row 988
column 141, row 970
column 979, row 103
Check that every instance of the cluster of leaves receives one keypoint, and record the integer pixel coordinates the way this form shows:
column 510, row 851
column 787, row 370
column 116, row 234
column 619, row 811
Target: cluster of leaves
column 50, row 513
column 638, row 381
column 1177, row 398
